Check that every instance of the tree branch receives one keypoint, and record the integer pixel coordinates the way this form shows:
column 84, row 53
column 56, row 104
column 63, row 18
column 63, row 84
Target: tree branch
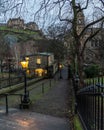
column 90, row 24
column 89, row 38
column 81, row 9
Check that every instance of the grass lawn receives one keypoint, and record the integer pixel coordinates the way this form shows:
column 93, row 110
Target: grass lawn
column 36, row 91
column 6, row 75
column 18, row 30
column 94, row 80
column 77, row 123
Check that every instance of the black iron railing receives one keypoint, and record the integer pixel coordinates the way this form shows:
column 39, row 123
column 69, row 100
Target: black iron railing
column 6, row 95
column 37, row 90
column 12, row 81
column 90, row 104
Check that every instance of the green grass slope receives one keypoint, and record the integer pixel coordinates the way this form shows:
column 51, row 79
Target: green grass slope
column 21, row 34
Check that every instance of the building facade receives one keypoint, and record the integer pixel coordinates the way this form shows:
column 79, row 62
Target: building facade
column 19, row 24
column 16, row 23
column 91, row 53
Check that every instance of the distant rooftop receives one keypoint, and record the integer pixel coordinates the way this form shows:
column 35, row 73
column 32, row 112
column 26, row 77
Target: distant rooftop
column 40, row 54
column 45, row 53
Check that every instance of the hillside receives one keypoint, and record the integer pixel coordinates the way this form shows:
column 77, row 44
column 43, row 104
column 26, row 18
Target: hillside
column 21, row 34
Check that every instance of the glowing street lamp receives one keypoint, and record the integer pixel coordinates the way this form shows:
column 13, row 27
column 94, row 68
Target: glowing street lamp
column 24, row 65
column 39, row 71
column 27, row 58
column 60, row 68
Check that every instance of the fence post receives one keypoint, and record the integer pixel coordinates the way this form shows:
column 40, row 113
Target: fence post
column 76, row 84
column 102, row 96
column 0, row 83
column 50, row 83
column 98, row 108
column 76, row 107
column 43, row 88
column 6, row 97
column 54, row 81
column 21, row 97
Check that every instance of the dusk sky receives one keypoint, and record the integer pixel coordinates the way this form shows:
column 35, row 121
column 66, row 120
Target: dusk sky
column 27, row 10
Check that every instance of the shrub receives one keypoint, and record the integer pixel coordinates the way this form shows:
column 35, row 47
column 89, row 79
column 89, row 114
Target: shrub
column 91, row 71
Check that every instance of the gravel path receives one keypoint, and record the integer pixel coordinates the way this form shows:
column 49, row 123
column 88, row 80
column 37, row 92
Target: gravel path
column 56, row 101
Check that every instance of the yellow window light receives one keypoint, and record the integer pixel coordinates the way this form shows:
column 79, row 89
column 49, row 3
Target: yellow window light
column 38, row 61
column 39, row 71
column 45, row 71
column 28, row 71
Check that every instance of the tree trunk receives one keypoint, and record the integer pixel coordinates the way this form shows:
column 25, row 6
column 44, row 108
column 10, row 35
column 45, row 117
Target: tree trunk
column 80, row 71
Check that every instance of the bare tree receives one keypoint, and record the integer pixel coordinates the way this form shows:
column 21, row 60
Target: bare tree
column 79, row 36
column 4, row 52
column 53, row 11
column 55, row 35
column 10, row 8
column 68, row 10
column 100, row 40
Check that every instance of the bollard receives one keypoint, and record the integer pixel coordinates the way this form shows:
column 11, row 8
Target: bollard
column 43, row 88
column 6, row 97
column 50, row 83
column 28, row 93
column 21, row 97
column 76, row 84
column 76, row 106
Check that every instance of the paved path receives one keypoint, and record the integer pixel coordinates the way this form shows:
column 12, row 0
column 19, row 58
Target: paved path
column 55, row 102
column 49, row 113
column 20, row 120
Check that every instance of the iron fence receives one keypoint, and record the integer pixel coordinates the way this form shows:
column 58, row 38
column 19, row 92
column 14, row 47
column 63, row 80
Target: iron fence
column 5, row 82
column 90, row 104
column 34, row 93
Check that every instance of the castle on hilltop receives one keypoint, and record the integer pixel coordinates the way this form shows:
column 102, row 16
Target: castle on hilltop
column 19, row 23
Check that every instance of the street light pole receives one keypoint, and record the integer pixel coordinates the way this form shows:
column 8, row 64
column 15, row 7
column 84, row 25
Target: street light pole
column 26, row 97
column 26, row 100
column 60, row 67
column 47, row 66
column 9, row 66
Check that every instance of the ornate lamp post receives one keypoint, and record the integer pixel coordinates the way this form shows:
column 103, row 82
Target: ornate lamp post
column 47, row 65
column 9, row 67
column 60, row 69
column 24, row 65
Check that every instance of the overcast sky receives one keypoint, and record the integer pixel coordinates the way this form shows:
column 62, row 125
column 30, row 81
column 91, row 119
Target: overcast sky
column 24, row 10
column 29, row 7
